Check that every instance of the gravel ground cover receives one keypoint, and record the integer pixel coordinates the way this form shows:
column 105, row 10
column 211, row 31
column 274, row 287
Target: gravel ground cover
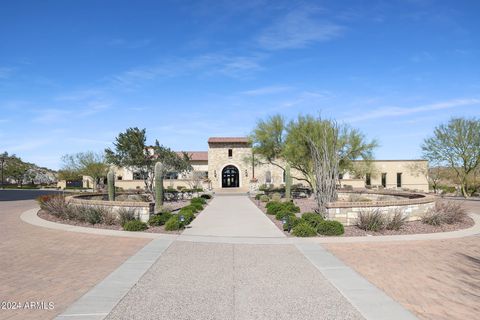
column 412, row 227
column 172, row 206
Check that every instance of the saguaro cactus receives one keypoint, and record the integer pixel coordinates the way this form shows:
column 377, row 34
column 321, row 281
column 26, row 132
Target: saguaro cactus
column 111, row 185
column 158, row 186
column 288, row 183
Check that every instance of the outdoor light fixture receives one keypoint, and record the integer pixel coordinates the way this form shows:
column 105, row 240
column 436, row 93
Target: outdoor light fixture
column 215, row 173
column 246, row 173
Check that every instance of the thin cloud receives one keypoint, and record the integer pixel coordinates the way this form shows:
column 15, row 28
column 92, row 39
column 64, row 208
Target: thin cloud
column 402, row 111
column 298, row 29
column 5, row 72
column 234, row 66
column 266, row 90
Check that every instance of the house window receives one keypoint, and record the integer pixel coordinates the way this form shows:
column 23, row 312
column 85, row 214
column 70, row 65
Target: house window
column 340, row 176
column 368, row 179
column 119, row 178
column 230, row 153
column 268, row 177
column 384, row 180
column 399, row 179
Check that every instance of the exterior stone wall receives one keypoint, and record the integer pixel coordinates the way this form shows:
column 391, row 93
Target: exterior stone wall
column 143, row 210
column 218, row 159
column 413, row 209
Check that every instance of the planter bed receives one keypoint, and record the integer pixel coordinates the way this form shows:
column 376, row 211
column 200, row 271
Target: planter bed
column 412, row 227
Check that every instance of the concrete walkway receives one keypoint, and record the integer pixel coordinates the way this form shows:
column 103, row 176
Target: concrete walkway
column 233, row 281
column 233, row 216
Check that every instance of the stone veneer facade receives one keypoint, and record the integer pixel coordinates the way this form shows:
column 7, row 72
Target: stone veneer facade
column 212, row 162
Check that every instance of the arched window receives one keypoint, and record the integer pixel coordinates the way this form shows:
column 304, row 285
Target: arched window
column 268, row 177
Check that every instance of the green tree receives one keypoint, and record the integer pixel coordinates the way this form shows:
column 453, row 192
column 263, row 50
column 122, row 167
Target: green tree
column 456, row 144
column 131, row 151
column 275, row 140
column 16, row 169
column 85, row 163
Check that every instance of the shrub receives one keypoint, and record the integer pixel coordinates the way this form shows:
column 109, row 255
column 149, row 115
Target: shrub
column 313, row 219
column 206, row 196
column 188, row 217
column 125, row 215
column 263, row 197
column 189, row 208
column 452, row 212
column 291, row 223
column 433, row 218
column 55, row 205
column 94, row 215
column 276, row 196
column 273, row 207
column 282, row 213
column 396, row 220
column 291, row 206
column 159, row 219
column 371, row 220
column 303, row 229
column 330, row 228
column 198, row 206
column 200, row 200
column 135, row 225
column 109, row 218
column 173, row 223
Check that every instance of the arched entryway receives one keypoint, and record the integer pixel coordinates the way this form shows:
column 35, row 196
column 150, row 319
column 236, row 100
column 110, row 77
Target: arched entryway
column 230, row 177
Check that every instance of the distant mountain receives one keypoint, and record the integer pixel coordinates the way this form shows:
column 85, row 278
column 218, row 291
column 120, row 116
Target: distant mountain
column 41, row 175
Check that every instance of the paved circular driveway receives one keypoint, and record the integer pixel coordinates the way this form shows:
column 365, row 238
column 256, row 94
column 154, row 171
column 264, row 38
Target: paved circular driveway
column 45, row 265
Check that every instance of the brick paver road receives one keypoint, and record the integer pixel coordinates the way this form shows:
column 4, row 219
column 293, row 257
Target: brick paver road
column 38, row 264
column 437, row 279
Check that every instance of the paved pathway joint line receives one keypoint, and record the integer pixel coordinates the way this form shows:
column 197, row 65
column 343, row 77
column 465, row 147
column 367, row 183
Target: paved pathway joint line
column 99, row 301
column 370, row 301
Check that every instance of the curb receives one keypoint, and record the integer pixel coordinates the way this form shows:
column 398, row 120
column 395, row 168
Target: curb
column 31, row 217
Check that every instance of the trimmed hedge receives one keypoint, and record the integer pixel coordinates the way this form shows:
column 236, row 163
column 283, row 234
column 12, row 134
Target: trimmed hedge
column 135, row 225
column 173, row 223
column 313, row 219
column 273, row 207
column 284, row 213
column 303, row 229
column 198, row 200
column 159, row 219
column 330, row 228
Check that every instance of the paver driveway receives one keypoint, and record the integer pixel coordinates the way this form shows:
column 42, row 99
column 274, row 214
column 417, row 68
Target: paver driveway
column 436, row 279
column 38, row 264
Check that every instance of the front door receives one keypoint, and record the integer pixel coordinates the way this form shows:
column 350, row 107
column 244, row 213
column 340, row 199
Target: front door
column 230, row 177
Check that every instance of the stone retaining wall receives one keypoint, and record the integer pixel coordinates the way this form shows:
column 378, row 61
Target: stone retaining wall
column 143, row 210
column 413, row 208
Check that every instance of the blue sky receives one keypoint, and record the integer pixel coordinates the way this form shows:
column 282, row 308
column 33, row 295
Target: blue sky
column 73, row 74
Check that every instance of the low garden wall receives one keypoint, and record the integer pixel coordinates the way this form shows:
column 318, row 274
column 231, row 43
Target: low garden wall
column 143, row 210
column 413, row 206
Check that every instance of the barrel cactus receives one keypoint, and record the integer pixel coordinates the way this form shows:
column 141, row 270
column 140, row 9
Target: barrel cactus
column 111, row 185
column 288, row 183
column 158, row 186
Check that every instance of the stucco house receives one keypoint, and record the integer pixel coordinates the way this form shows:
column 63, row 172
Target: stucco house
column 228, row 165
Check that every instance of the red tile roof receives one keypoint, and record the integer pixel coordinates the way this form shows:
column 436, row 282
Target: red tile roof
column 196, row 155
column 228, row 140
